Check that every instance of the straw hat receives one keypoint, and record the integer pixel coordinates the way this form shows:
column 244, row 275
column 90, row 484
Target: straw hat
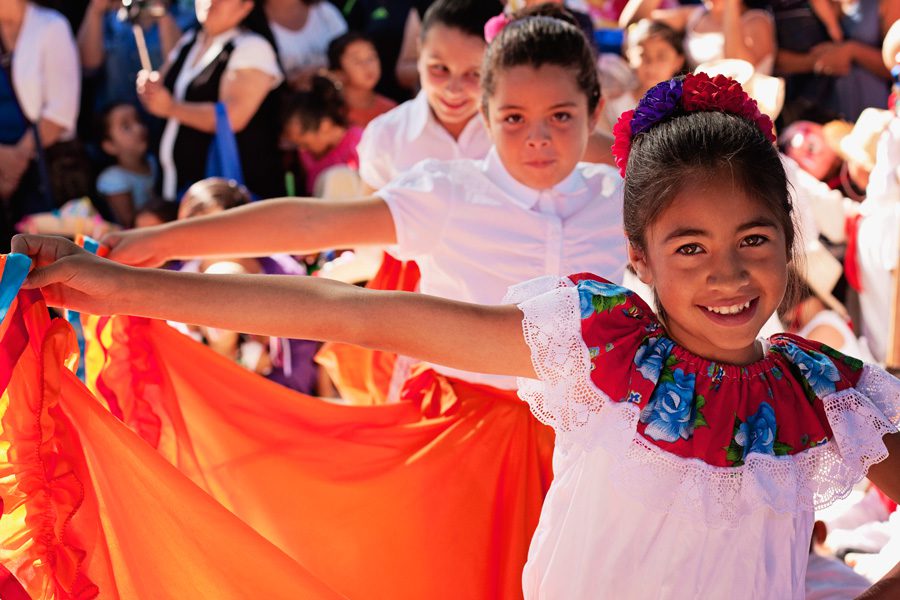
column 822, row 273
column 767, row 91
column 858, row 142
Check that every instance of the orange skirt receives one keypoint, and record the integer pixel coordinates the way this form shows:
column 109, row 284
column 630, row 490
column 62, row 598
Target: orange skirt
column 433, row 497
column 90, row 510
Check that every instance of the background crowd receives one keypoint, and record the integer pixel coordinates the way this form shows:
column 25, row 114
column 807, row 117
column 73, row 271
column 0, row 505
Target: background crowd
column 245, row 100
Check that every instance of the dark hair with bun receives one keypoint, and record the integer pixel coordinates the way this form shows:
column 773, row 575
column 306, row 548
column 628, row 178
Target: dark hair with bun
column 322, row 100
column 468, row 16
column 535, row 41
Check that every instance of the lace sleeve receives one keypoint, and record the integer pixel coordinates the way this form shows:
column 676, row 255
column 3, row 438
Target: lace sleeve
column 562, row 396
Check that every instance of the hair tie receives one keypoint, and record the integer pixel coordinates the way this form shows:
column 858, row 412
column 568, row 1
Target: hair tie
column 494, row 26
column 693, row 93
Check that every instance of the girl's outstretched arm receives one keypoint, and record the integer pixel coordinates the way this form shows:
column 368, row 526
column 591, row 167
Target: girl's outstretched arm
column 283, row 225
column 886, row 474
column 472, row 337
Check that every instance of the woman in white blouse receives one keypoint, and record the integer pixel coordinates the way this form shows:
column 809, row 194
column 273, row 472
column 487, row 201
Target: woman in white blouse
column 302, row 30
column 39, row 51
column 224, row 62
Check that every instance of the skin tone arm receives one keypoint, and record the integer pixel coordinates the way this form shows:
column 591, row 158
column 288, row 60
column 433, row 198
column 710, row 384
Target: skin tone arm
column 636, row 10
column 434, row 329
column 242, row 91
column 90, row 35
column 285, row 225
column 406, row 71
column 750, row 40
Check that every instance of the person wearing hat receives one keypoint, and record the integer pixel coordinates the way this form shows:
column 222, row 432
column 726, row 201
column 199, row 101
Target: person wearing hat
column 855, row 144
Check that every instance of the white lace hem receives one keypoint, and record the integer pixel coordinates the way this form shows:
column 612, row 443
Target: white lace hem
column 583, row 416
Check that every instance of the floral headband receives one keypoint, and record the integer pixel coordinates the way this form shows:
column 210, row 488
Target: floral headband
column 693, row 93
column 494, row 26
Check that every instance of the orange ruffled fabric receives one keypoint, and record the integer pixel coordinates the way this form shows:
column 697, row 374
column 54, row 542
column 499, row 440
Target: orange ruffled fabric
column 90, row 510
column 363, row 377
column 433, row 497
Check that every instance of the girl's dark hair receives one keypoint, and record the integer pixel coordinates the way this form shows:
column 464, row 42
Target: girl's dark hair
column 538, row 41
column 469, row 16
column 323, row 99
column 646, row 28
column 339, row 45
column 702, row 146
column 212, row 193
column 547, row 9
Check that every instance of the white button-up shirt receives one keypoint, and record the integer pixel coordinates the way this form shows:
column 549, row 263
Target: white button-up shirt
column 395, row 141
column 475, row 231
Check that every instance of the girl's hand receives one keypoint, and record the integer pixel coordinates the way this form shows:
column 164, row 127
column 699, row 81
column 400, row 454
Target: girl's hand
column 70, row 277
column 136, row 247
column 832, row 59
column 155, row 97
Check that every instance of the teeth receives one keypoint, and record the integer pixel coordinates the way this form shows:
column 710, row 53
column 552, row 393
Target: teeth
column 729, row 310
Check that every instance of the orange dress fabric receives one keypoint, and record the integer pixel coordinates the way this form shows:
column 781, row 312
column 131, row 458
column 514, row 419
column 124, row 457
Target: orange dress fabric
column 363, row 377
column 90, row 510
column 433, row 497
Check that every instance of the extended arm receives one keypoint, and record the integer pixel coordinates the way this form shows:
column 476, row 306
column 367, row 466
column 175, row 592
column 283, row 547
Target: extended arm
column 285, row 225
column 473, row 337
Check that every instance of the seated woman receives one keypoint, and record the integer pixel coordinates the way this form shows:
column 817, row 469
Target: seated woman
column 717, row 29
column 224, row 62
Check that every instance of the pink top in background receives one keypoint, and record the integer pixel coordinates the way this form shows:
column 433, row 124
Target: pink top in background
column 342, row 154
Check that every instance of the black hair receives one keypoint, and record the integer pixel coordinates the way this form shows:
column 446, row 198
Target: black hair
column 322, row 100
column 702, row 146
column 212, row 193
column 339, row 45
column 547, row 9
column 468, row 16
column 646, row 28
column 103, row 121
column 537, row 41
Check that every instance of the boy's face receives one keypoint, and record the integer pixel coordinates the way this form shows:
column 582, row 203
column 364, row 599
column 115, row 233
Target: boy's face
column 127, row 134
column 361, row 66
column 654, row 60
column 539, row 122
column 449, row 71
column 717, row 260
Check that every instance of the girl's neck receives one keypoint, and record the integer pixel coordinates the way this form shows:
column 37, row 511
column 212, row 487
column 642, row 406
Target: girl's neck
column 702, row 348
column 136, row 163
column 358, row 97
column 12, row 12
column 454, row 129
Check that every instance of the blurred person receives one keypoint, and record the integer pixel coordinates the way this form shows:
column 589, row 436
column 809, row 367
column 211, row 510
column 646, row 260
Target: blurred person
column 316, row 122
column 302, row 30
column 354, row 60
column 39, row 84
column 717, row 29
column 128, row 184
column 226, row 62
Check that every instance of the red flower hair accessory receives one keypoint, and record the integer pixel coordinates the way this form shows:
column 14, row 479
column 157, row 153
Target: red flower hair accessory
column 695, row 93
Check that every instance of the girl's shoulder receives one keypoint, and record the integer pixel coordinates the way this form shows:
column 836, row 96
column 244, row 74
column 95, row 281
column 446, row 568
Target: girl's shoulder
column 803, row 415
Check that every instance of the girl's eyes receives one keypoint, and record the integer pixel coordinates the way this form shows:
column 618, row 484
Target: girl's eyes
column 754, row 240
column 689, row 249
column 438, row 69
column 562, row 117
column 513, row 119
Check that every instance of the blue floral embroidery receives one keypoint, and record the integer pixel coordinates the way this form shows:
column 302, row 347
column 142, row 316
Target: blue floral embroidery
column 633, row 397
column 650, row 358
column 669, row 414
column 817, row 369
column 589, row 288
column 716, row 374
column 757, row 434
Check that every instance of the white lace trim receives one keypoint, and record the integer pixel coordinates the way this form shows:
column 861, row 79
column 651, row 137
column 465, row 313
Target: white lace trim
column 566, row 399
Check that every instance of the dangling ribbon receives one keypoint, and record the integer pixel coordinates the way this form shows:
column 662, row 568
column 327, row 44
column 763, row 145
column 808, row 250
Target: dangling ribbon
column 74, row 317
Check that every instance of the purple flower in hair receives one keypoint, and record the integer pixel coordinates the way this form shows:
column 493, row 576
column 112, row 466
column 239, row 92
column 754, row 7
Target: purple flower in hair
column 661, row 101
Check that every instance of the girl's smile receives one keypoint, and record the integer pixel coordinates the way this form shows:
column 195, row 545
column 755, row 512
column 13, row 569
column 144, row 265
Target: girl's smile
column 717, row 262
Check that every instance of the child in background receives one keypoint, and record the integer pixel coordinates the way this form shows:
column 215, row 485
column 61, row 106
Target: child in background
column 157, row 211
column 315, row 121
column 353, row 58
column 655, row 54
column 287, row 362
column 127, row 185
column 442, row 121
column 684, row 443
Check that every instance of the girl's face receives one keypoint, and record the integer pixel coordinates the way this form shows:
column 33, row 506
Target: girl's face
column 127, row 134
column 539, row 122
column 806, row 144
column 449, row 70
column 361, row 66
column 217, row 16
column 654, row 60
column 717, row 259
